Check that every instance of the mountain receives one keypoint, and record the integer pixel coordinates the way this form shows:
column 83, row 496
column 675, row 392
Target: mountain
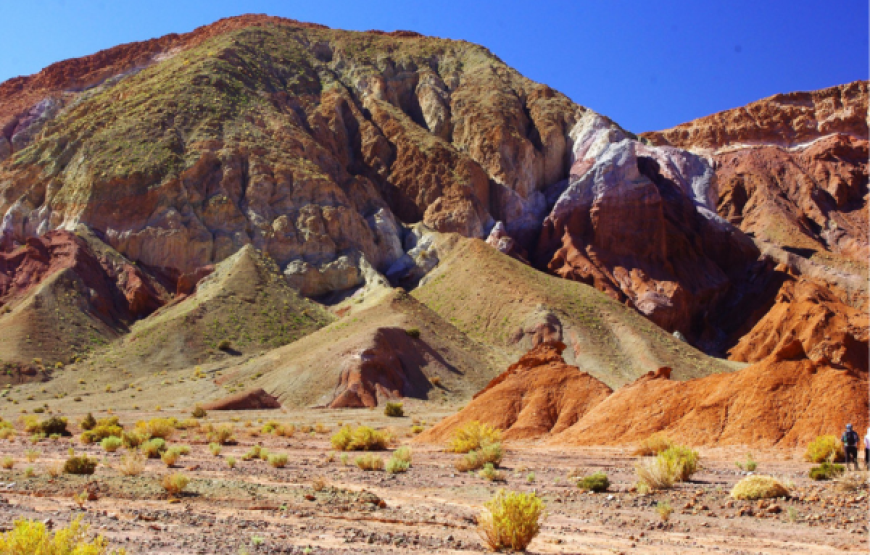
column 341, row 218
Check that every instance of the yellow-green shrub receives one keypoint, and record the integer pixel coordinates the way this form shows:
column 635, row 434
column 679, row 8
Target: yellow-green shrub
column 111, row 443
column 511, row 520
column 824, row 447
column 683, row 459
column 163, row 428
column 490, row 453
column 362, row 438
column 759, row 487
column 472, row 436
column 370, row 462
column 30, row 537
column 175, row 483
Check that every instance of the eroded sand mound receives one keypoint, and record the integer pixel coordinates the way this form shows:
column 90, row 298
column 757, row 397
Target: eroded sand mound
column 537, row 395
column 252, row 399
column 785, row 400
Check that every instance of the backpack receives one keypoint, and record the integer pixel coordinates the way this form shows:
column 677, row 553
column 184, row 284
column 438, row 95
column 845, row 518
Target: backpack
column 850, row 439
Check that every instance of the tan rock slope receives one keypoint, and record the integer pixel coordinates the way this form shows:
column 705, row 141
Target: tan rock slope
column 536, row 396
column 502, row 302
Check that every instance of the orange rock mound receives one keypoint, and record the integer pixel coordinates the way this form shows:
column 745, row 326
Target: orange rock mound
column 536, row 396
column 253, row 399
column 830, row 332
column 785, row 400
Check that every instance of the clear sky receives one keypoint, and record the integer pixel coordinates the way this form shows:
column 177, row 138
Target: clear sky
column 646, row 64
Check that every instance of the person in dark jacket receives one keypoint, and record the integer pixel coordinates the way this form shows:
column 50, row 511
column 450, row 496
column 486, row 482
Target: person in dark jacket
column 850, row 441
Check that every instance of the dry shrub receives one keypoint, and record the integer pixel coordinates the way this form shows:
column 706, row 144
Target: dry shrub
column 318, row 483
column 164, row 428
column 30, row 537
column 511, row 520
column 656, row 473
column 80, row 465
column 472, row 436
column 491, row 453
column 851, row 482
column 403, row 454
column 55, row 469
column 825, row 448
column 362, row 438
column 132, row 463
column 215, row 448
column 133, row 439
column 395, row 466
column 653, row 445
column 278, row 460
column 597, row 482
column 175, row 483
column 153, row 448
column 223, row 434
column 664, row 509
column 394, row 409
column 759, row 487
column 370, row 462
column 170, row 456
column 489, row 472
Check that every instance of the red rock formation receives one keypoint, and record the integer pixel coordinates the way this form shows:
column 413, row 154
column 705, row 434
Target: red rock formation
column 786, row 400
column 536, row 396
column 829, row 331
column 782, row 119
column 387, row 369
column 119, row 292
column 253, row 399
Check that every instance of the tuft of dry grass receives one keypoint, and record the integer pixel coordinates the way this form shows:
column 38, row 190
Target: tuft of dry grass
column 491, row 453
column 653, row 445
column 132, row 464
column 174, row 483
column 759, row 487
column 370, row 462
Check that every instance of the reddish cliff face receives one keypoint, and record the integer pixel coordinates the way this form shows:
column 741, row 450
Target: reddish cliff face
column 792, row 172
column 782, row 120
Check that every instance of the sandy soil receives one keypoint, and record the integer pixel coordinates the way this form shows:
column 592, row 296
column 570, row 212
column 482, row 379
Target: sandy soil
column 255, row 508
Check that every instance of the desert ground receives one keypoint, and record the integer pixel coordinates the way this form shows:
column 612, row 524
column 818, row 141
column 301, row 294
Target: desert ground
column 320, row 502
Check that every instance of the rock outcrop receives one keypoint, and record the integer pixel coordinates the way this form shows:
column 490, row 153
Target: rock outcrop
column 253, row 399
column 62, row 293
column 830, row 332
column 792, row 172
column 639, row 223
column 538, row 395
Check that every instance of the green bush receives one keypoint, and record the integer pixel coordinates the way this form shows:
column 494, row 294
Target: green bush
column 472, row 436
column 826, row 471
column 596, row 482
column 511, row 520
column 491, row 453
column 394, row 409
column 395, row 466
column 489, row 472
column 413, row 332
column 80, row 465
column 111, row 444
column 154, row 448
column 104, row 428
column 683, row 459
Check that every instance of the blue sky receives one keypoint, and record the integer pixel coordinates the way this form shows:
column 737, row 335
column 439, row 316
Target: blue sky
column 647, row 64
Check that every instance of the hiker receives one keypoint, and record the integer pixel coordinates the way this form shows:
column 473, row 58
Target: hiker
column 850, row 445
column 867, row 450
